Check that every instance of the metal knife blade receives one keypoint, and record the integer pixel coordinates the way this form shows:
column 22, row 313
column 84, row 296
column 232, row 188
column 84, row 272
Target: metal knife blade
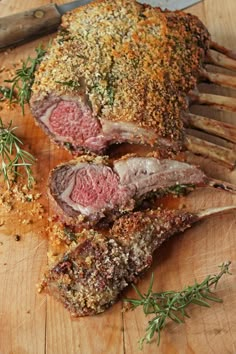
column 170, row 4
column 71, row 6
column 25, row 26
column 163, row 4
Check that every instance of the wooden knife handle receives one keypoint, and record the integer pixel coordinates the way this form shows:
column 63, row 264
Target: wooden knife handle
column 25, row 26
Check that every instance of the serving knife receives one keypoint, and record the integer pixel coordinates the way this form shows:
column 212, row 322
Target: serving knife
column 28, row 25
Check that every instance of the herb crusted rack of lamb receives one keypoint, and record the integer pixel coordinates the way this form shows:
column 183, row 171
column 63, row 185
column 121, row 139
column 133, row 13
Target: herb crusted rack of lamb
column 119, row 71
column 89, row 277
column 89, row 189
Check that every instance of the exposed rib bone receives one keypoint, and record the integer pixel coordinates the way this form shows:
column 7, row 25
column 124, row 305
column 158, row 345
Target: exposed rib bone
column 211, row 126
column 229, row 187
column 215, row 152
column 202, row 214
column 219, row 79
column 220, row 60
column 222, row 103
column 219, row 48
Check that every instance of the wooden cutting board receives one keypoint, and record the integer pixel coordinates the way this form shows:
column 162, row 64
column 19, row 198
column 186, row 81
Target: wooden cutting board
column 32, row 323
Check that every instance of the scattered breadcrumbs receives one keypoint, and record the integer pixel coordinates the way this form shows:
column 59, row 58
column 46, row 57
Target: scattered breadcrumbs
column 21, row 204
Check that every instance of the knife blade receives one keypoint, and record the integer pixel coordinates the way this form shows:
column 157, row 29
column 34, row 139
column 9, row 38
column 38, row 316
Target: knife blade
column 170, row 4
column 22, row 27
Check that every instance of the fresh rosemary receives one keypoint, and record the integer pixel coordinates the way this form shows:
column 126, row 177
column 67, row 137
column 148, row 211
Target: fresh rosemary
column 172, row 304
column 20, row 90
column 13, row 156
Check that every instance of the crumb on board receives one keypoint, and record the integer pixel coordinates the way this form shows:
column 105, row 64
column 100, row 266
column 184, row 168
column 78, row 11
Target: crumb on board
column 17, row 238
column 2, row 222
column 21, row 204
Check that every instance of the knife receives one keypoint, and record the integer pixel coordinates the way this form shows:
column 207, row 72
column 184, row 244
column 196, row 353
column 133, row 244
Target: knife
column 27, row 25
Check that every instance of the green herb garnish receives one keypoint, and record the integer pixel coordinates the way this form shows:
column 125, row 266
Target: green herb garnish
column 68, row 146
column 70, row 234
column 13, row 156
column 70, row 83
column 111, row 95
column 172, row 304
column 20, row 90
column 180, row 189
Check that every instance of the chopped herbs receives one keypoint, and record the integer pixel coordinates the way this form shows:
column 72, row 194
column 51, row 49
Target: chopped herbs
column 172, row 304
column 69, row 146
column 63, row 36
column 71, row 235
column 180, row 189
column 70, row 83
column 13, row 156
column 111, row 95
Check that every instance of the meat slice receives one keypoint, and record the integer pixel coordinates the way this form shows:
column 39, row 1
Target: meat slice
column 118, row 71
column 88, row 278
column 90, row 275
column 88, row 189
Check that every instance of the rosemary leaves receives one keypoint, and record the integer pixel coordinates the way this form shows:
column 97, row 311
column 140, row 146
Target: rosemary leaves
column 13, row 156
column 172, row 304
column 21, row 83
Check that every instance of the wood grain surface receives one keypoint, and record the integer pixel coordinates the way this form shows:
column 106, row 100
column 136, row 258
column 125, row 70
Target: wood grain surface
column 31, row 323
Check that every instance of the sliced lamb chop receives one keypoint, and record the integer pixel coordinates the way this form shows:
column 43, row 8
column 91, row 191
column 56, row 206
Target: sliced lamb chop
column 88, row 189
column 89, row 277
column 121, row 71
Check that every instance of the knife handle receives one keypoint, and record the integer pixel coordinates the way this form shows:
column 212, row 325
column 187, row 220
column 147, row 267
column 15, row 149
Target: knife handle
column 25, row 26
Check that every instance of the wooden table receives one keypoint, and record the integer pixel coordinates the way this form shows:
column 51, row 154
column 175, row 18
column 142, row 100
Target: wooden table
column 31, row 323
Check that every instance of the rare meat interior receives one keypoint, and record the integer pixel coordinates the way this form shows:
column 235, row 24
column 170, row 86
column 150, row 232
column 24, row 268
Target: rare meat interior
column 97, row 188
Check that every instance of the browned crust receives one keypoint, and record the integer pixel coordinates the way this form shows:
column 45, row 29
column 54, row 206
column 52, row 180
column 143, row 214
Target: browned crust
column 89, row 277
column 138, row 62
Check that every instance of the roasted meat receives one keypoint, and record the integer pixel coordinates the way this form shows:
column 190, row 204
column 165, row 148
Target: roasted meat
column 88, row 189
column 119, row 71
column 90, row 275
column 96, row 267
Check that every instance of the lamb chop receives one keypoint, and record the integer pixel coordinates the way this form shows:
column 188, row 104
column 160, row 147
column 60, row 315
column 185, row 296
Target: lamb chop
column 96, row 267
column 123, row 71
column 89, row 189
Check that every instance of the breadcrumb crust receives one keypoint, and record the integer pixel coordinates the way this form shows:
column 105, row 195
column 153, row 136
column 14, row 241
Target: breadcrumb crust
column 131, row 62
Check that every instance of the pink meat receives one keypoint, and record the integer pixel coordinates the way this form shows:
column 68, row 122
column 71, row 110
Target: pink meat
column 75, row 123
column 98, row 187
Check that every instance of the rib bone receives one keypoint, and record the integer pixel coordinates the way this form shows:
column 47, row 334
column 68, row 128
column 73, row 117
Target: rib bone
column 215, row 152
column 222, row 103
column 219, row 79
column 125, row 253
column 219, row 48
column 211, row 182
column 211, row 126
column 219, row 59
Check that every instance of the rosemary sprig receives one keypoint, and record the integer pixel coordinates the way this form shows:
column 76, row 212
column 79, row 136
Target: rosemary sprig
column 20, row 90
column 13, row 156
column 172, row 304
